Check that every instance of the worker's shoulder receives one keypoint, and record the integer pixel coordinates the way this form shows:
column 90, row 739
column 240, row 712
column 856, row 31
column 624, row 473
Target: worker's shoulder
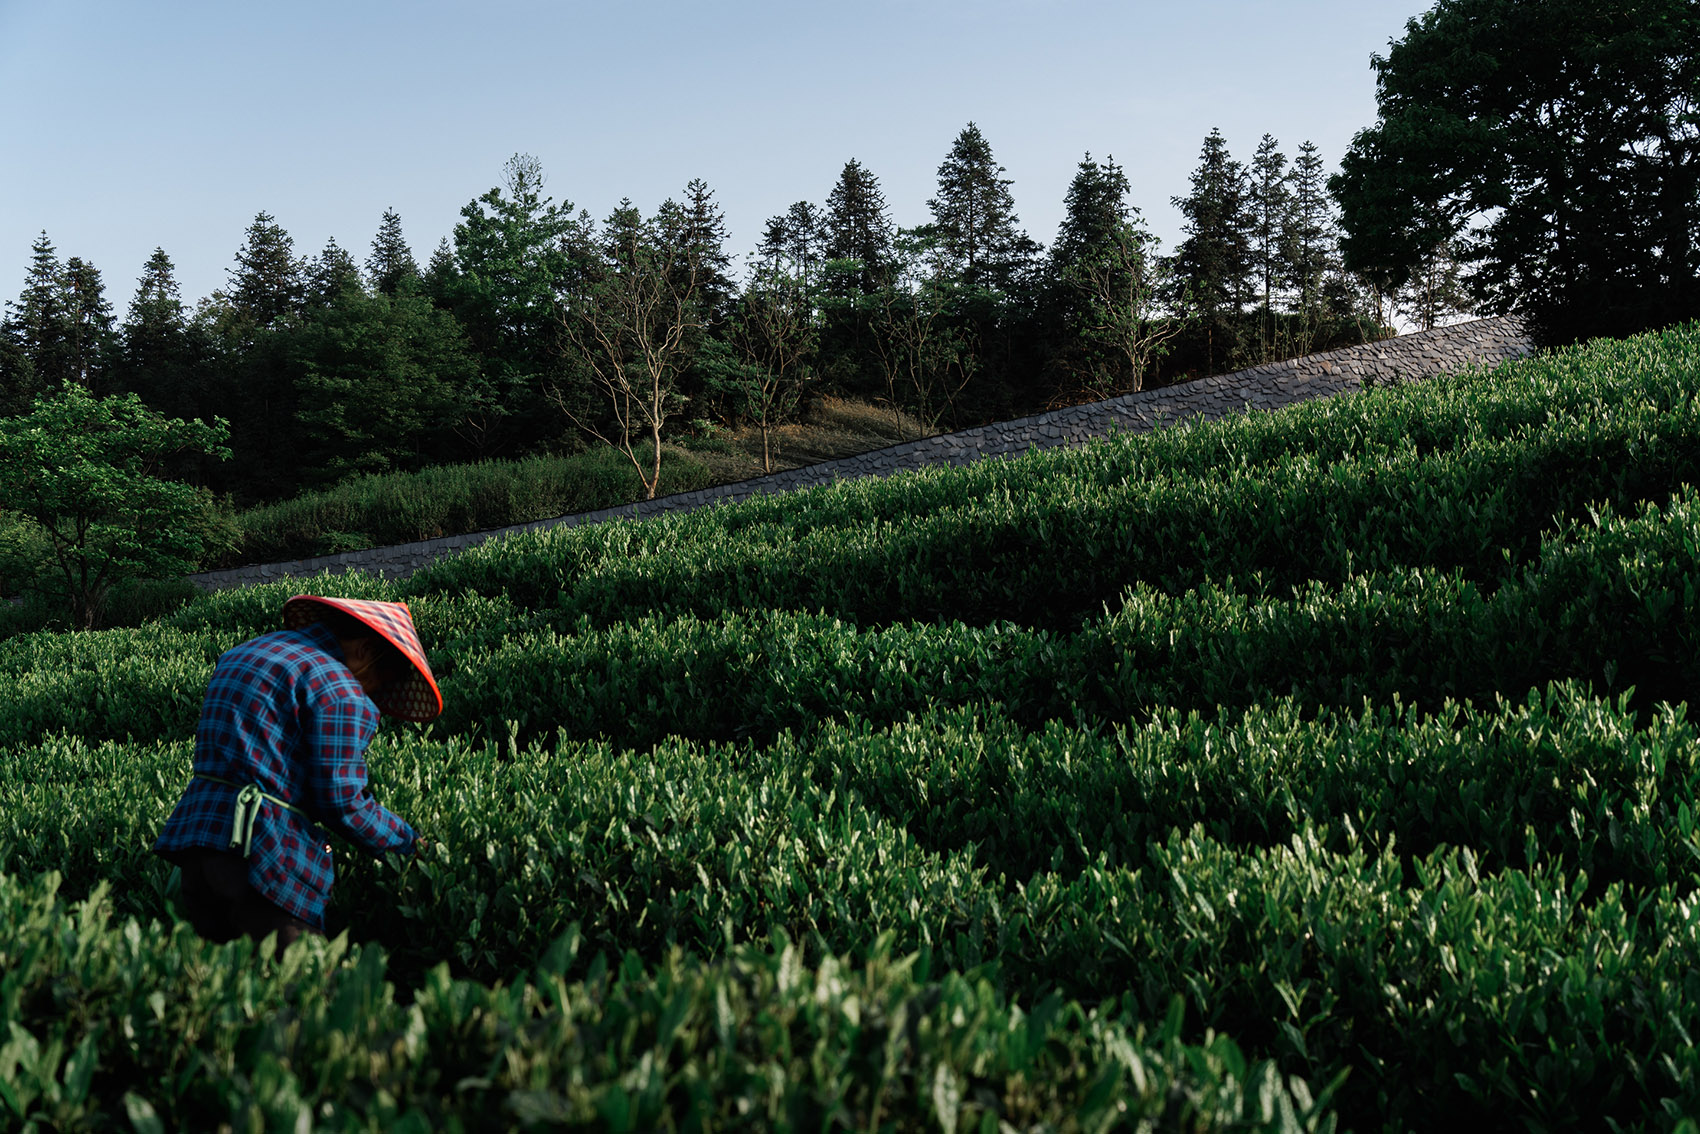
column 300, row 651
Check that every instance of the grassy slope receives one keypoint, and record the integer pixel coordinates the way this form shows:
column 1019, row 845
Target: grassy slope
column 376, row 511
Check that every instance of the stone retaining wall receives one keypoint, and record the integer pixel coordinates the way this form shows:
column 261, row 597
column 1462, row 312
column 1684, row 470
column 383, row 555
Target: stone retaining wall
column 1409, row 357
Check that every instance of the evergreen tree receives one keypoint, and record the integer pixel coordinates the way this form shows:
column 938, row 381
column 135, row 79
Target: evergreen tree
column 697, row 229
column 160, row 354
column 92, row 341
column 1269, row 202
column 794, row 240
column 330, row 272
column 41, row 329
column 975, row 231
column 253, row 378
column 391, row 260
column 517, row 254
column 857, row 228
column 696, row 232
column 1093, row 208
column 1213, row 265
column 440, row 274
column 157, row 308
column 17, row 373
column 266, row 285
column 1310, row 244
column 856, row 237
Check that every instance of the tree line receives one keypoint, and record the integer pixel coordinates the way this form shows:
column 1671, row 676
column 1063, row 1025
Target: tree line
column 1538, row 159
column 535, row 327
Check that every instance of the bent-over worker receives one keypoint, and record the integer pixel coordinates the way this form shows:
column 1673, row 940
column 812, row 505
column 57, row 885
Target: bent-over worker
column 280, row 752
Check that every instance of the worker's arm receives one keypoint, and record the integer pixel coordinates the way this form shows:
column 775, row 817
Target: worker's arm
column 341, row 728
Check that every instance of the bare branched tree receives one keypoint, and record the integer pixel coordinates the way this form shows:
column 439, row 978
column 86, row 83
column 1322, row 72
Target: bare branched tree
column 632, row 325
column 925, row 359
column 776, row 329
column 1123, row 283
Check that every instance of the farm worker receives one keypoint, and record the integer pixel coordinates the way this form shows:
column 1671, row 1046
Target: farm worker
column 280, row 754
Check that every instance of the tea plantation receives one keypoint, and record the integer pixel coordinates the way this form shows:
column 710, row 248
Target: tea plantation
column 1324, row 769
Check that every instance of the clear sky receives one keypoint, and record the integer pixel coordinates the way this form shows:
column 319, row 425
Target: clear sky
column 131, row 125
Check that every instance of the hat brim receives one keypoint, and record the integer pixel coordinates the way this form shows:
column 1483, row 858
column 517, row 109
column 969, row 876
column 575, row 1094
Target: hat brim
column 414, row 697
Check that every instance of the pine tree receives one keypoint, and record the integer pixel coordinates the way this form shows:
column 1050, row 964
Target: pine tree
column 1094, row 206
column 158, row 305
column 266, row 284
column 856, row 243
column 1214, row 263
column 391, row 260
column 41, row 326
column 793, row 241
column 17, row 373
column 1269, row 202
column 440, row 273
column 1310, row 245
column 974, row 227
column 1094, row 210
column 158, row 359
column 857, row 227
column 91, row 337
column 697, row 229
column 330, row 272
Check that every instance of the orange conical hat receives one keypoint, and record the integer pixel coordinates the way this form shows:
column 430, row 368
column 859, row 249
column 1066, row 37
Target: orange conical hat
column 412, row 698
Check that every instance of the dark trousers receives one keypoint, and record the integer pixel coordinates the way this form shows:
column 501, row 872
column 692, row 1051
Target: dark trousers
column 219, row 903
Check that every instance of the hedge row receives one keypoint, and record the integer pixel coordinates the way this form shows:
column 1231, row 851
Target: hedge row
column 109, row 1024
column 1173, row 871
column 1612, row 603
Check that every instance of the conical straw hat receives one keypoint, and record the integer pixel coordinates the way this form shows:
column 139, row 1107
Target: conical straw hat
column 412, row 698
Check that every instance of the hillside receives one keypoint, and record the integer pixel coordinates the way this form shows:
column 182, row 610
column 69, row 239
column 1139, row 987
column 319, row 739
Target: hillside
column 1326, row 766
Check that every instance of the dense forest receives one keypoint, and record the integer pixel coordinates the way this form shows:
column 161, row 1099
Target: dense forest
column 536, row 328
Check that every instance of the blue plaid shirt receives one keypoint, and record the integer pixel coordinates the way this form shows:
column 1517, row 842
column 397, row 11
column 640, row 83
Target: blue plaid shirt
column 284, row 712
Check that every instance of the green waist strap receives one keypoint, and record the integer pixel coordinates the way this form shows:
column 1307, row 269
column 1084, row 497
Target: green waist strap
column 248, row 800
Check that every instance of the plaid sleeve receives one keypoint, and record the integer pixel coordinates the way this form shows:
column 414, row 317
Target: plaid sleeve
column 340, row 728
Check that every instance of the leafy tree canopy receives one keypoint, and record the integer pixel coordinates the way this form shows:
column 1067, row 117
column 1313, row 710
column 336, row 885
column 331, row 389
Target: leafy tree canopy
column 381, row 377
column 86, row 470
column 1559, row 140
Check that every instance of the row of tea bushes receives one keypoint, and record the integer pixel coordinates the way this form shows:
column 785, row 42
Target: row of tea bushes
column 1611, row 602
column 388, row 508
column 1302, row 922
column 110, row 1024
column 1563, row 778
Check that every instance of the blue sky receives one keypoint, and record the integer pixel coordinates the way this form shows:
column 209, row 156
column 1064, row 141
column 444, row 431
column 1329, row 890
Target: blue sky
column 132, row 125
